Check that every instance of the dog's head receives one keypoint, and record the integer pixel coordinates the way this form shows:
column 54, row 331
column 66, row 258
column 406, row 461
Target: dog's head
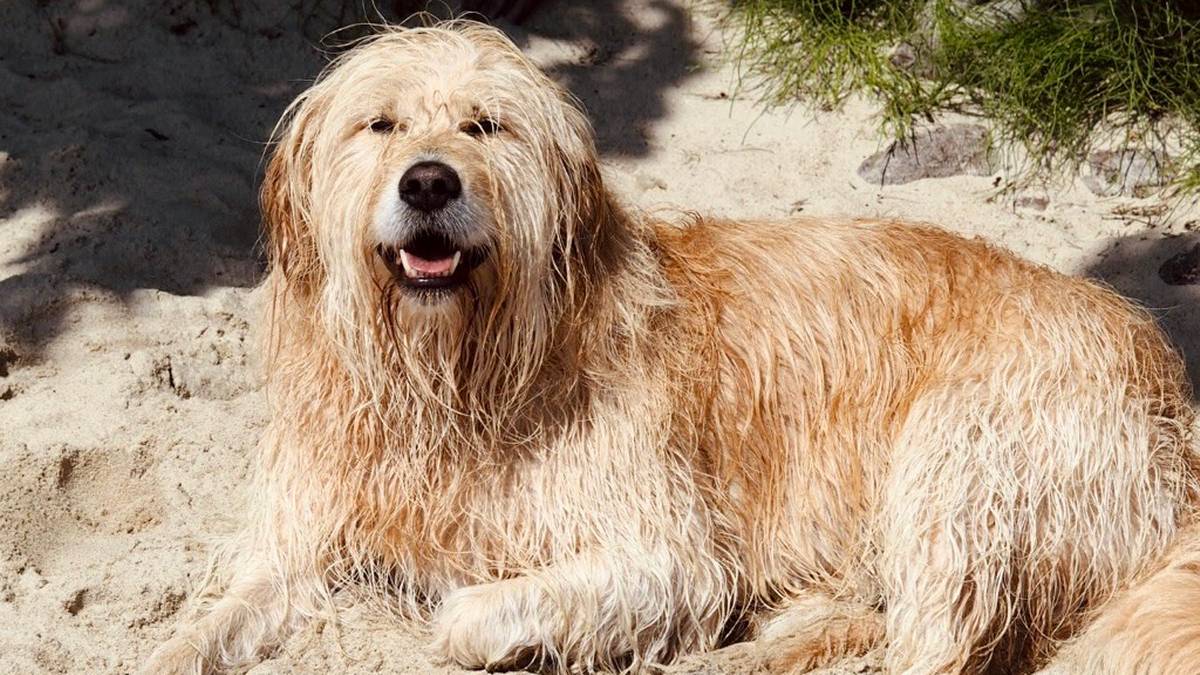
column 434, row 178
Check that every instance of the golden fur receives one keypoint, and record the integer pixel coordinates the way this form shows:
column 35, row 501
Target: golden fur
column 626, row 437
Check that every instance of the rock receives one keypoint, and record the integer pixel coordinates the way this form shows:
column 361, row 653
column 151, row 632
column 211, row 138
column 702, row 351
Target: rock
column 1182, row 269
column 1109, row 173
column 1035, row 202
column 937, row 152
column 902, row 56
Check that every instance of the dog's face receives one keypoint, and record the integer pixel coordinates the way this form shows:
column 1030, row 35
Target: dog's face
column 431, row 175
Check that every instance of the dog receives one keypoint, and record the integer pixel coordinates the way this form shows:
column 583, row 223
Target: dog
column 575, row 437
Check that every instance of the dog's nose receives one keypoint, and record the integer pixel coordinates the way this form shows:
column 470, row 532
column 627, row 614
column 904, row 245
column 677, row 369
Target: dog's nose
column 427, row 186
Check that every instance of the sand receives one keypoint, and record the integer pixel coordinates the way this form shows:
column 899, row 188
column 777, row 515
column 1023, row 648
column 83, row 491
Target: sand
column 130, row 394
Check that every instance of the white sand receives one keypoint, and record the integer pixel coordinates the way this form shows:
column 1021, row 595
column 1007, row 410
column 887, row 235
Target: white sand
column 129, row 395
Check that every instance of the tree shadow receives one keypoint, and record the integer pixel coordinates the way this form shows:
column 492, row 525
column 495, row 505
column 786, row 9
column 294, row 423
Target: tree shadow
column 1131, row 266
column 134, row 132
column 622, row 66
column 130, row 151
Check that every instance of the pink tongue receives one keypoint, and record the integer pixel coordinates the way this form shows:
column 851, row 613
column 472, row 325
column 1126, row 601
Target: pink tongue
column 427, row 267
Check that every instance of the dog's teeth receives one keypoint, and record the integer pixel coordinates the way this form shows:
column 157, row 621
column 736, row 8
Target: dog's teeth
column 419, row 268
column 408, row 270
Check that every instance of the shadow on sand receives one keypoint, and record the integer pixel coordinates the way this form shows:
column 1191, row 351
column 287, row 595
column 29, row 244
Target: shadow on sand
column 1131, row 265
column 133, row 133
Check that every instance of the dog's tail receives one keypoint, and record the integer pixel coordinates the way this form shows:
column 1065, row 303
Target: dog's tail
column 1150, row 628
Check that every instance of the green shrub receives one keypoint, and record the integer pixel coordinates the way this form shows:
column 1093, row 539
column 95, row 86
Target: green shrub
column 1050, row 72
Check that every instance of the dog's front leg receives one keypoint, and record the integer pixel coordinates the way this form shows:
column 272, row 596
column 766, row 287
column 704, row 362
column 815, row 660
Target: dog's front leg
column 597, row 611
column 260, row 608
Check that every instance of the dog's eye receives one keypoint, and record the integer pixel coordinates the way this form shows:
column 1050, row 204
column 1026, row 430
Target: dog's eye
column 484, row 126
column 381, row 125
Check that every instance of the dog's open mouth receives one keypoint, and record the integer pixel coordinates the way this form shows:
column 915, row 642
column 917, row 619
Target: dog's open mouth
column 429, row 262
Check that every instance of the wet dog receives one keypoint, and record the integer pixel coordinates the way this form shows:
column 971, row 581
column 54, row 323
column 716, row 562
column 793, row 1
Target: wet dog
column 575, row 437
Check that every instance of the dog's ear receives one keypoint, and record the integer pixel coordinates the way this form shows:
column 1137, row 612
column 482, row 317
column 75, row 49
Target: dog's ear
column 284, row 200
column 590, row 222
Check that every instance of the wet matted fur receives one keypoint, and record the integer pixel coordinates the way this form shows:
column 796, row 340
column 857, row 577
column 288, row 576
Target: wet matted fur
column 619, row 438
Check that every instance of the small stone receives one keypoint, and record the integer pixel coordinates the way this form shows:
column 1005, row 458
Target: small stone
column 937, row 152
column 902, row 56
column 1035, row 202
column 1182, row 269
column 1109, row 173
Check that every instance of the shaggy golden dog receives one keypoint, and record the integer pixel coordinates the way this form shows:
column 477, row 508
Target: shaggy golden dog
column 572, row 437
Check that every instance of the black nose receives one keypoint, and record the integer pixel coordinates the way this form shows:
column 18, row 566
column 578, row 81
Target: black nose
column 427, row 186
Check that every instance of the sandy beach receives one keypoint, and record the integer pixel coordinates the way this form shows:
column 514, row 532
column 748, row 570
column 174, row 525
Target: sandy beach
column 131, row 140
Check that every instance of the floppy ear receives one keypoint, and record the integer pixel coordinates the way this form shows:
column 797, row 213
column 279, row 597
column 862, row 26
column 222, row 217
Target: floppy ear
column 591, row 225
column 284, row 200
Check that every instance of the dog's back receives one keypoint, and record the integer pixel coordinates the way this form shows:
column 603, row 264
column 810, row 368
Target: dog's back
column 980, row 445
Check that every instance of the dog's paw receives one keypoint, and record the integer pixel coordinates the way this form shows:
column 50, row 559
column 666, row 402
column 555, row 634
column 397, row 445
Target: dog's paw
column 174, row 657
column 491, row 626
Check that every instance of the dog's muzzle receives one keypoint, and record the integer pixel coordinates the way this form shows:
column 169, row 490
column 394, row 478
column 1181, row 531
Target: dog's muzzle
column 435, row 256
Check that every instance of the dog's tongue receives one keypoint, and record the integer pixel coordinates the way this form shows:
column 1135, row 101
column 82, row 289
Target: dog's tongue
column 427, row 268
